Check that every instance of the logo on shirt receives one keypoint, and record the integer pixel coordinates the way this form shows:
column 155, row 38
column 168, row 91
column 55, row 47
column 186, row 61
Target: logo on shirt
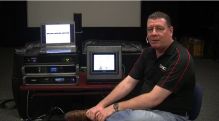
column 163, row 68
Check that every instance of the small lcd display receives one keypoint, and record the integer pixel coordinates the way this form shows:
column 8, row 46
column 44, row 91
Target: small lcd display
column 53, row 69
column 104, row 62
column 59, row 79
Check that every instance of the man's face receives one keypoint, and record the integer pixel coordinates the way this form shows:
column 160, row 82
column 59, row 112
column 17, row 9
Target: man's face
column 159, row 34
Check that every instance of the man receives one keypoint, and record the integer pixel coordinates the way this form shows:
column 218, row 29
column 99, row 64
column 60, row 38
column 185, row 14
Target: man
column 166, row 68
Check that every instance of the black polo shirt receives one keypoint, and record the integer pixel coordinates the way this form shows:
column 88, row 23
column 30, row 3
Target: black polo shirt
column 173, row 71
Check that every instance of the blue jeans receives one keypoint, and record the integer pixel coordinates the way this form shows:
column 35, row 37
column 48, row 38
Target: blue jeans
column 145, row 115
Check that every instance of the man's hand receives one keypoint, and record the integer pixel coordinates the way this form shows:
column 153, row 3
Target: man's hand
column 91, row 113
column 101, row 115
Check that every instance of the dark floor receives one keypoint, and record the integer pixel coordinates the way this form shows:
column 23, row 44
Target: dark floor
column 207, row 73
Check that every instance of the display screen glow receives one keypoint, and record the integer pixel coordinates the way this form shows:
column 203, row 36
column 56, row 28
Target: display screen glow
column 53, row 70
column 57, row 33
column 104, row 62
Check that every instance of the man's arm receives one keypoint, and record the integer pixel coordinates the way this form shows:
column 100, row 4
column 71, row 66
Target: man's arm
column 120, row 91
column 146, row 100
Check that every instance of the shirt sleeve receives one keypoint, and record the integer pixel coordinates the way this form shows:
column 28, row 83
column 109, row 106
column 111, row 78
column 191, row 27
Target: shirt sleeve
column 137, row 70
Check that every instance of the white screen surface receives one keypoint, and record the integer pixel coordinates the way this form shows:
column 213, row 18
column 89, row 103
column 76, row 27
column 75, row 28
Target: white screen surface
column 94, row 13
column 57, row 33
column 104, row 62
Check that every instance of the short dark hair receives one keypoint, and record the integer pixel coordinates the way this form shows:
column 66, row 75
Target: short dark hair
column 159, row 14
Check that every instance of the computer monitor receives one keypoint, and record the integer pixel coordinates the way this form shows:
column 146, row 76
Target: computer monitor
column 58, row 34
column 104, row 63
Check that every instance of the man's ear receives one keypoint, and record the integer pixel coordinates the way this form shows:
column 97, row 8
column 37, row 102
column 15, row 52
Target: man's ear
column 171, row 30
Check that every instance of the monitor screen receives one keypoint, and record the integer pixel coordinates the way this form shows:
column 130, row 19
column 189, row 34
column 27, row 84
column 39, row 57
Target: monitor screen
column 58, row 33
column 104, row 63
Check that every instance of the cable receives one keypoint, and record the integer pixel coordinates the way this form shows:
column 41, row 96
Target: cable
column 123, row 69
column 27, row 106
column 57, row 108
column 51, row 112
column 27, row 111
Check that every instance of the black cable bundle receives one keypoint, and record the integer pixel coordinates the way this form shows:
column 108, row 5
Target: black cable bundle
column 55, row 114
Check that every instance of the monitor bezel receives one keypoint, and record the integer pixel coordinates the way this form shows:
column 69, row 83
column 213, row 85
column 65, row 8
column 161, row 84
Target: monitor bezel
column 104, row 76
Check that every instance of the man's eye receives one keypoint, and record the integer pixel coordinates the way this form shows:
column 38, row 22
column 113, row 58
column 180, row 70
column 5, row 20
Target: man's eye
column 160, row 28
column 149, row 29
column 156, row 28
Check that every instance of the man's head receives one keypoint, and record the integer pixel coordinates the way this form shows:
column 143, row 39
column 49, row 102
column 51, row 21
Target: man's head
column 159, row 30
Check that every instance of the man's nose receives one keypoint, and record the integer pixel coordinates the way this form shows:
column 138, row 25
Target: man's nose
column 154, row 31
